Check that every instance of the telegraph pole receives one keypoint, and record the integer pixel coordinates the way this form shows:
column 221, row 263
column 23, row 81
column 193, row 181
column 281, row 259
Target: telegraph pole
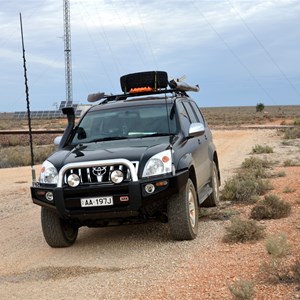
column 68, row 56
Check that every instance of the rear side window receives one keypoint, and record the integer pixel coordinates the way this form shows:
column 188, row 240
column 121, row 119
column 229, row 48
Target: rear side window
column 190, row 112
column 198, row 113
column 184, row 118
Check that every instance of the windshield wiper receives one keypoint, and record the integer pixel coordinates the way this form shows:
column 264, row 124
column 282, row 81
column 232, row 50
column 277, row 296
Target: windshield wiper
column 157, row 134
column 109, row 138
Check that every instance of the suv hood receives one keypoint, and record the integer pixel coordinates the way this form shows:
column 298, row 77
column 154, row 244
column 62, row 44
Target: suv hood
column 139, row 149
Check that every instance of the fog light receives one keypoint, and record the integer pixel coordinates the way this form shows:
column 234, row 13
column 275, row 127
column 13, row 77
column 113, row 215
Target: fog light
column 150, row 188
column 116, row 176
column 49, row 196
column 73, row 180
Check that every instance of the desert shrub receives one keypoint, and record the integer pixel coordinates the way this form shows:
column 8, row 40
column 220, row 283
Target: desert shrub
column 256, row 163
column 271, row 207
column 217, row 213
column 243, row 231
column 296, row 271
column 245, row 187
column 276, row 270
column 263, row 186
column 277, row 245
column 288, row 190
column 290, row 163
column 280, row 174
column 20, row 156
column 286, row 143
column 13, row 141
column 297, row 122
column 242, row 289
column 239, row 189
column 291, row 133
column 259, row 149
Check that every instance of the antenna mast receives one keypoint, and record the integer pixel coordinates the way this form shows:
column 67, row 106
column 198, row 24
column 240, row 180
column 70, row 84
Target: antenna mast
column 68, row 60
column 28, row 106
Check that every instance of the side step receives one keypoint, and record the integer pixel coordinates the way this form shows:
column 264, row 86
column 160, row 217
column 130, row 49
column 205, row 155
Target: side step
column 204, row 193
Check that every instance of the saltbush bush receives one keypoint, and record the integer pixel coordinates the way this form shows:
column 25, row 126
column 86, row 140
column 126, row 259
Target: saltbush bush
column 245, row 187
column 242, row 231
column 259, row 149
column 242, row 289
column 271, row 207
column 277, row 245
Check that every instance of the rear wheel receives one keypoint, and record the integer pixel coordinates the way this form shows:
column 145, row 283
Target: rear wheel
column 58, row 233
column 183, row 213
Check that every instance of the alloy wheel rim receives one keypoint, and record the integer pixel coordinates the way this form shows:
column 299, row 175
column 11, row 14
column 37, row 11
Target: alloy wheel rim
column 192, row 209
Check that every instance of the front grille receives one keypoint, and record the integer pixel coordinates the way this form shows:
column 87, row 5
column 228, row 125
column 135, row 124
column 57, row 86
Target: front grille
column 99, row 174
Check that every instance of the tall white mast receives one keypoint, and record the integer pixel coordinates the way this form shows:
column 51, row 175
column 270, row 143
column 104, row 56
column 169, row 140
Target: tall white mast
column 68, row 56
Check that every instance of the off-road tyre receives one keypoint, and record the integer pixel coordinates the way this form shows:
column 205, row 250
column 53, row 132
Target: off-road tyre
column 153, row 79
column 183, row 213
column 213, row 199
column 58, row 233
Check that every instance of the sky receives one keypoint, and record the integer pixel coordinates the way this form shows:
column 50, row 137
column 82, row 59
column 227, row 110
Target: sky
column 240, row 52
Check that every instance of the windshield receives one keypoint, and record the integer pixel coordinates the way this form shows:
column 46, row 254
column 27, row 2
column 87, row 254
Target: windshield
column 126, row 122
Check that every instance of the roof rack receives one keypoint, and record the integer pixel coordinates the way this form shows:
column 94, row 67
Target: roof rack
column 120, row 97
column 143, row 84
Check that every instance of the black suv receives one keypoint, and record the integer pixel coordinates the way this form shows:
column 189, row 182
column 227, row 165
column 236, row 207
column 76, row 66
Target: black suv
column 146, row 154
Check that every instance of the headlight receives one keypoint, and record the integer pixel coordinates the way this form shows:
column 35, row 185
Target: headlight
column 161, row 163
column 49, row 173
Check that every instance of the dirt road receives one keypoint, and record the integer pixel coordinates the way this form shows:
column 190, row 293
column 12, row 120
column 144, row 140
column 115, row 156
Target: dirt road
column 133, row 262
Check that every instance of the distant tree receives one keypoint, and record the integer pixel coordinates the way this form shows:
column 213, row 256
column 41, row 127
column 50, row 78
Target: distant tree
column 260, row 107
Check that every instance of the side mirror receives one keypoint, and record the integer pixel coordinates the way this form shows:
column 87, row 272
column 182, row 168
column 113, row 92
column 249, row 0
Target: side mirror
column 196, row 129
column 57, row 140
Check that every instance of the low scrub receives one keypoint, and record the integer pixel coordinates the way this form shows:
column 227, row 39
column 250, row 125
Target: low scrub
column 271, row 207
column 217, row 213
column 242, row 231
column 259, row 149
column 242, row 289
column 278, row 246
column 20, row 156
column 288, row 190
column 296, row 271
column 292, row 133
column 256, row 163
column 276, row 271
column 290, row 163
column 245, row 188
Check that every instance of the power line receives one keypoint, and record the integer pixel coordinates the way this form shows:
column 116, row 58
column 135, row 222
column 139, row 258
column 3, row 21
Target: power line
column 94, row 44
column 234, row 54
column 263, row 47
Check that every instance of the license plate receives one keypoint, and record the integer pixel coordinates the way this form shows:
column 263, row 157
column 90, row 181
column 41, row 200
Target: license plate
column 97, row 201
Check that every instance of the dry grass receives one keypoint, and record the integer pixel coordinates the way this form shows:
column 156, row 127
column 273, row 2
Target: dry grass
column 235, row 116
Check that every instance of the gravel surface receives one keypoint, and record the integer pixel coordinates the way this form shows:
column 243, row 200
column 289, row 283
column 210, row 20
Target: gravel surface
column 141, row 261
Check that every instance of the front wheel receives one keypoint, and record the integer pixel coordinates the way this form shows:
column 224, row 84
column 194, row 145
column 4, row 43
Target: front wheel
column 58, row 233
column 183, row 213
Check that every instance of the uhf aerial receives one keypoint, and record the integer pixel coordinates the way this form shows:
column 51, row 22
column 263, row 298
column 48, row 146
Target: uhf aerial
column 68, row 75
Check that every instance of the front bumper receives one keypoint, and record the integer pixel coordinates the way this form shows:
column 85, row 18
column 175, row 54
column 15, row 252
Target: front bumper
column 130, row 199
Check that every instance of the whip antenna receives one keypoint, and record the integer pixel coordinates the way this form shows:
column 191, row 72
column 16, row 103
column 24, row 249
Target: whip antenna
column 28, row 106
